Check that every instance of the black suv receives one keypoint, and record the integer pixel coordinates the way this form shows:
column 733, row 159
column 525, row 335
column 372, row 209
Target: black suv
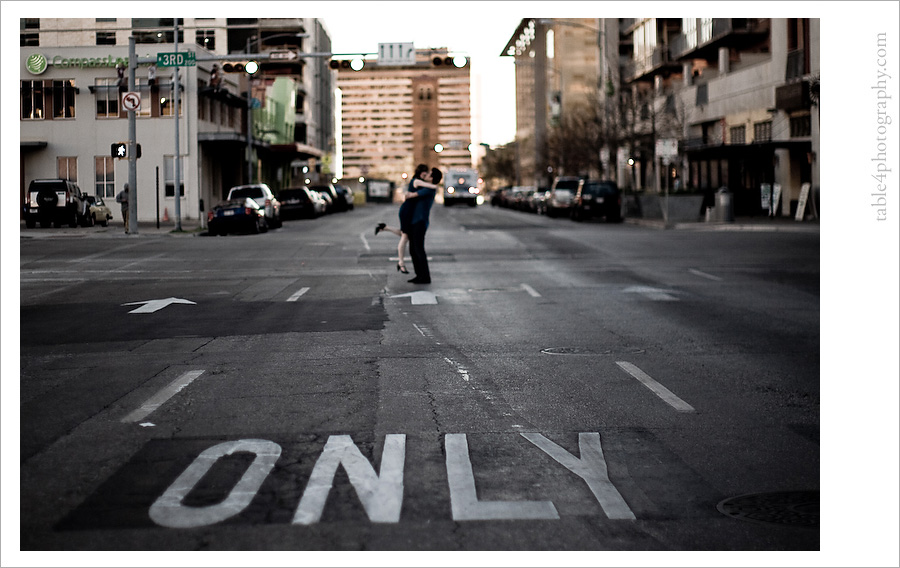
column 598, row 199
column 56, row 201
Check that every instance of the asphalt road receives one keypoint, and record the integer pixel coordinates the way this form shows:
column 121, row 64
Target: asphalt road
column 558, row 387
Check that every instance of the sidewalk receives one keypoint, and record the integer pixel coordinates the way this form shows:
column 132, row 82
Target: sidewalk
column 116, row 229
column 760, row 224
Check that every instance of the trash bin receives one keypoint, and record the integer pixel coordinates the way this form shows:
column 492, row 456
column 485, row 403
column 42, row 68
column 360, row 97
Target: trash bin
column 724, row 206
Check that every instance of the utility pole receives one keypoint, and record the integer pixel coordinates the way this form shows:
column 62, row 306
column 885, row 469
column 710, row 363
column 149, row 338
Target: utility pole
column 132, row 145
column 177, row 141
column 540, row 102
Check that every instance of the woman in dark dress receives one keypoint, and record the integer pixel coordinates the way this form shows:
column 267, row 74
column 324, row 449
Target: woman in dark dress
column 422, row 178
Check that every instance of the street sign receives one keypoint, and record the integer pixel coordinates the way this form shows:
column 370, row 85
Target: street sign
column 667, row 147
column 396, row 54
column 283, row 55
column 176, row 59
column 131, row 101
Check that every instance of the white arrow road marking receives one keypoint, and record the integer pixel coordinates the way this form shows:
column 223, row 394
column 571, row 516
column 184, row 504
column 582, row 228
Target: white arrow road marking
column 150, row 306
column 660, row 391
column 419, row 298
column 652, row 293
column 162, row 396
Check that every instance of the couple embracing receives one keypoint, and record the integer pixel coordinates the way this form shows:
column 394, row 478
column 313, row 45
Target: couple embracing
column 414, row 214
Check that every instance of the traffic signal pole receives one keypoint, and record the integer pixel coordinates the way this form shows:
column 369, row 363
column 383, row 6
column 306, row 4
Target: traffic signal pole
column 132, row 145
column 177, row 157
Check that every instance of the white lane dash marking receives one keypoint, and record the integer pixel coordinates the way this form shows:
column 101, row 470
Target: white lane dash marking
column 696, row 272
column 364, row 240
column 531, row 291
column 297, row 294
column 162, row 396
column 659, row 390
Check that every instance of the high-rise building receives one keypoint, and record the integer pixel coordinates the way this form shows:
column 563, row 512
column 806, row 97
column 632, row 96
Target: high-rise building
column 393, row 117
column 735, row 98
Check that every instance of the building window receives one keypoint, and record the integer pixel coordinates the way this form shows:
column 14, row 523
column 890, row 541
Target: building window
column 33, row 103
column 106, row 38
column 706, row 30
column 739, row 135
column 67, row 168
column 107, row 93
column 689, row 25
column 207, row 39
column 105, row 176
column 156, row 30
column 29, row 38
column 800, row 126
column 169, row 167
column 63, row 95
column 762, row 131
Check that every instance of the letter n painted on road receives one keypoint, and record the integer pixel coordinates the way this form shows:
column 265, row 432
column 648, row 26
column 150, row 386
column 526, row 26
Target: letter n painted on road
column 169, row 511
column 381, row 496
column 464, row 503
column 591, row 468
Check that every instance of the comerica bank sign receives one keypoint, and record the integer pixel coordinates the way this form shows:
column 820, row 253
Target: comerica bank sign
column 37, row 63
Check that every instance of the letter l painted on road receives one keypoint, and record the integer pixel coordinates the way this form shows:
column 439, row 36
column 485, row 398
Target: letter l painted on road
column 464, row 503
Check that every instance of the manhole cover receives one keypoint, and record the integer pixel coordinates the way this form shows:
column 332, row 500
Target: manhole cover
column 582, row 351
column 570, row 351
column 791, row 508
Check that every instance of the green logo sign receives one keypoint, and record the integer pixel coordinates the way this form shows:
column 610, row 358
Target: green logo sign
column 36, row 64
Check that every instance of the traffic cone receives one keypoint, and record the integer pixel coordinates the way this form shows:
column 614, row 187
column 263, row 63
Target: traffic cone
column 166, row 214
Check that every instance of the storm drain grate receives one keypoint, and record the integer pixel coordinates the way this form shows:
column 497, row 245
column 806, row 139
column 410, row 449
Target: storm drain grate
column 786, row 508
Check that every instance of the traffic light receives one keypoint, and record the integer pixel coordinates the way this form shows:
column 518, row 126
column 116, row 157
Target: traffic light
column 458, row 61
column 249, row 67
column 346, row 64
column 120, row 150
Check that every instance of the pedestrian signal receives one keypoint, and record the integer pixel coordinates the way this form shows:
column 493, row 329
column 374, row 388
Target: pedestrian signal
column 120, row 150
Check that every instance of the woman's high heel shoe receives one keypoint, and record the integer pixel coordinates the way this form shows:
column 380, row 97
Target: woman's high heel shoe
column 401, row 268
column 380, row 228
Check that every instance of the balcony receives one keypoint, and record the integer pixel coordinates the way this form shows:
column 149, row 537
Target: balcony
column 793, row 96
column 739, row 33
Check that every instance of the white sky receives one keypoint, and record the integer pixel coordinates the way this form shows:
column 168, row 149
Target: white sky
column 479, row 30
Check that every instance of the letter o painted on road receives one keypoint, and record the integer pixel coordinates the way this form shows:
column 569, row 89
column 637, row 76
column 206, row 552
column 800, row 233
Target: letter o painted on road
column 169, row 511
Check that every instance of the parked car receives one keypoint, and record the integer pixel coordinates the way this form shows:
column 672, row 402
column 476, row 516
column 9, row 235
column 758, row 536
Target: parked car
column 347, row 193
column 263, row 196
column 598, row 199
column 100, row 211
column 338, row 203
column 301, row 203
column 242, row 214
column 562, row 193
column 57, row 202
